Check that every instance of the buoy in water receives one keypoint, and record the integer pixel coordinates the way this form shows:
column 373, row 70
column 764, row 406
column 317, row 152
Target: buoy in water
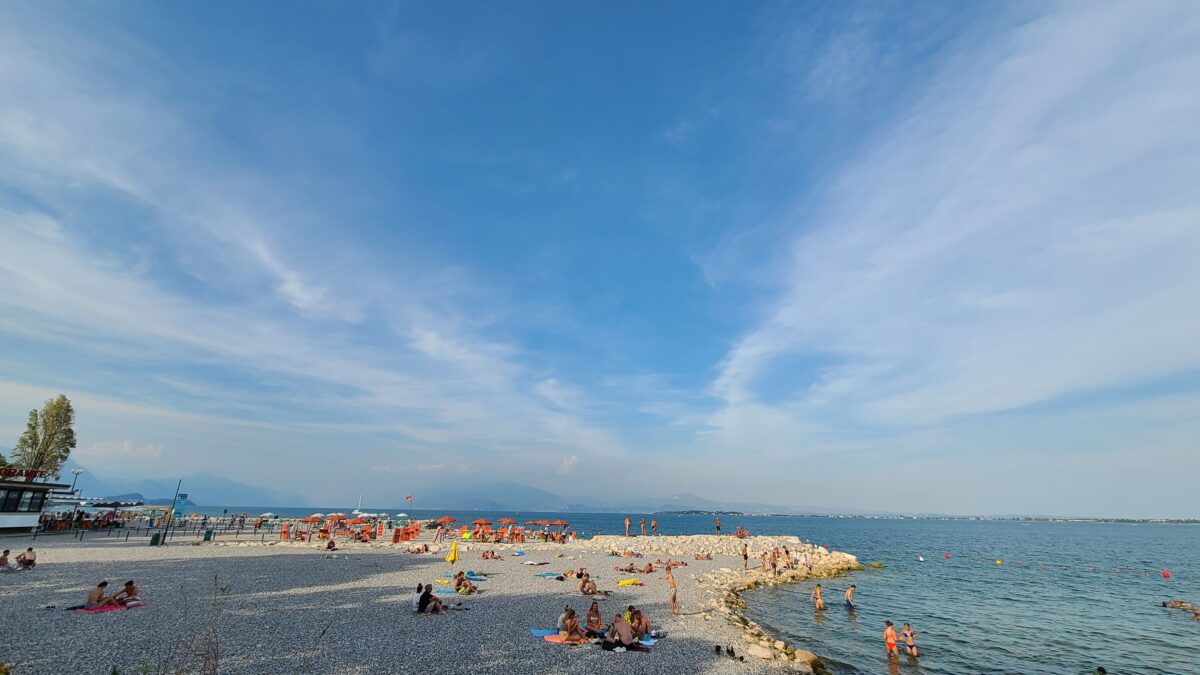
column 920, row 559
column 947, row 556
column 1166, row 574
column 999, row 562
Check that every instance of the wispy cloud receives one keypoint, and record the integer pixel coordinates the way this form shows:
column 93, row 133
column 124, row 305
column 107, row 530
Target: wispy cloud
column 1023, row 234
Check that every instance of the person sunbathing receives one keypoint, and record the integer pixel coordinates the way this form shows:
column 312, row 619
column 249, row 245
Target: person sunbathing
column 703, row 556
column 586, row 585
column 129, row 595
column 97, row 598
column 630, row 569
column 571, row 630
column 462, row 584
column 423, row 548
column 648, row 569
column 594, row 626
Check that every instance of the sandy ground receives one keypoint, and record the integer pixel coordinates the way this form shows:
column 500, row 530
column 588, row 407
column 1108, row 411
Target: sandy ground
column 293, row 609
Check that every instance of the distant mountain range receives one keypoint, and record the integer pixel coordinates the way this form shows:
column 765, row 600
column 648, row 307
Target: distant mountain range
column 509, row 496
column 201, row 488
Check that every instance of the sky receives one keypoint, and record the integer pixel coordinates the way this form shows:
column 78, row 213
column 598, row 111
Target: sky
column 931, row 257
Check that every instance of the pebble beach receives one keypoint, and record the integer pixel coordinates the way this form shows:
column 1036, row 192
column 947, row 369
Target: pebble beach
column 255, row 607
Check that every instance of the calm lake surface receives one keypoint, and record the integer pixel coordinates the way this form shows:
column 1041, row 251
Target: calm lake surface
column 1067, row 597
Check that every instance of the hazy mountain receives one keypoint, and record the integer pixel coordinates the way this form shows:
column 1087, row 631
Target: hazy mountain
column 201, row 488
column 499, row 496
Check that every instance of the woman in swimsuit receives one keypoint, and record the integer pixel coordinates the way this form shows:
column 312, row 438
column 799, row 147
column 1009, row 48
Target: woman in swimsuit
column 910, row 640
column 818, row 603
column 889, row 637
column 594, row 626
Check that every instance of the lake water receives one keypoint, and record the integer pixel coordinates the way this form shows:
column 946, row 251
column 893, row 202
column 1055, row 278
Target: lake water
column 1067, row 597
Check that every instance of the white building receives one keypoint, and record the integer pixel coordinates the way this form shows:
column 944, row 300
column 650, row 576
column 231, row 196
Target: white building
column 22, row 502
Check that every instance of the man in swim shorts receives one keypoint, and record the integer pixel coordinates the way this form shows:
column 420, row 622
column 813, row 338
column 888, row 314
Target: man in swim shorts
column 627, row 522
column 850, row 598
column 745, row 557
column 674, row 590
column 889, row 637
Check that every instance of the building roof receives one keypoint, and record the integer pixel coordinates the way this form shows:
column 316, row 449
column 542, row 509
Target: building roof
column 22, row 485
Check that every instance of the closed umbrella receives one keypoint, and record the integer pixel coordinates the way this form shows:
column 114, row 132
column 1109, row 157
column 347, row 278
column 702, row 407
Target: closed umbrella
column 452, row 557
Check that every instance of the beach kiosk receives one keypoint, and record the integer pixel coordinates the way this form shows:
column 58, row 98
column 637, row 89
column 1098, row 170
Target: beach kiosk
column 22, row 498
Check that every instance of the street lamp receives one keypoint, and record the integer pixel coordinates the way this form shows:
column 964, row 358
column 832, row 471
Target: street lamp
column 78, row 473
column 74, row 507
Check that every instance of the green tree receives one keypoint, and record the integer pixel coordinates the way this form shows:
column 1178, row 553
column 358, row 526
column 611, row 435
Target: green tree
column 48, row 439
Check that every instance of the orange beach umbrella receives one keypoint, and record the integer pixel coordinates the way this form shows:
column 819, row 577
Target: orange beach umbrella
column 481, row 521
column 507, row 521
column 356, row 521
column 310, row 519
column 445, row 520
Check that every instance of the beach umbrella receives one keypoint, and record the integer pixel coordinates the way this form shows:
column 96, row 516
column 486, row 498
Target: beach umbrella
column 445, row 520
column 481, row 521
column 507, row 521
column 356, row 521
column 310, row 519
column 336, row 516
column 452, row 557
column 268, row 514
column 558, row 523
column 317, row 515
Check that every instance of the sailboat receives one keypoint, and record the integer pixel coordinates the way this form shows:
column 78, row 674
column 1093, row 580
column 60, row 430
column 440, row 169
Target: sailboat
column 358, row 511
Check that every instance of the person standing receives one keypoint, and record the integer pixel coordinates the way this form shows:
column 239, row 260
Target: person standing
column 910, row 640
column 889, row 638
column 745, row 557
column 718, row 524
column 674, row 589
column 850, row 601
column 654, row 526
column 627, row 523
column 643, row 526
column 818, row 601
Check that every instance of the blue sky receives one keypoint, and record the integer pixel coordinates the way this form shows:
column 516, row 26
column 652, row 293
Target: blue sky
column 922, row 258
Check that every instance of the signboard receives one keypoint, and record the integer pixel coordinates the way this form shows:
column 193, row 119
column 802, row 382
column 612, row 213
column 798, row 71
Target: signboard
column 10, row 472
column 183, row 495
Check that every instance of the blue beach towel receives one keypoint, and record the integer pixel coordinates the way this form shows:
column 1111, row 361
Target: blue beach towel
column 542, row 632
column 547, row 575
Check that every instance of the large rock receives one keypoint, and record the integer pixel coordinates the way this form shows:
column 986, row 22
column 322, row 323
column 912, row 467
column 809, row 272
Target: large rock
column 760, row 651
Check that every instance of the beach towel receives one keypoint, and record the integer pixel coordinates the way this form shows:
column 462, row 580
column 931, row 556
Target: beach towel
column 630, row 582
column 547, row 575
column 530, row 562
column 542, row 632
column 106, row 608
column 559, row 641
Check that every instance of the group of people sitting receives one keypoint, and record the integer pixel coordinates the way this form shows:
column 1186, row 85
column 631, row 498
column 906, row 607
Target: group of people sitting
column 1187, row 607
column 26, row 560
column 424, row 602
column 129, row 596
column 624, row 633
column 490, row 555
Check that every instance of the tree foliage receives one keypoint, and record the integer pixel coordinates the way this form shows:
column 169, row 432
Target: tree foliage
column 48, row 439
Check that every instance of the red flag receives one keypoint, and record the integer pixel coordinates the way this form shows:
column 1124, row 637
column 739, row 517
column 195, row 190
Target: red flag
column 409, row 498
